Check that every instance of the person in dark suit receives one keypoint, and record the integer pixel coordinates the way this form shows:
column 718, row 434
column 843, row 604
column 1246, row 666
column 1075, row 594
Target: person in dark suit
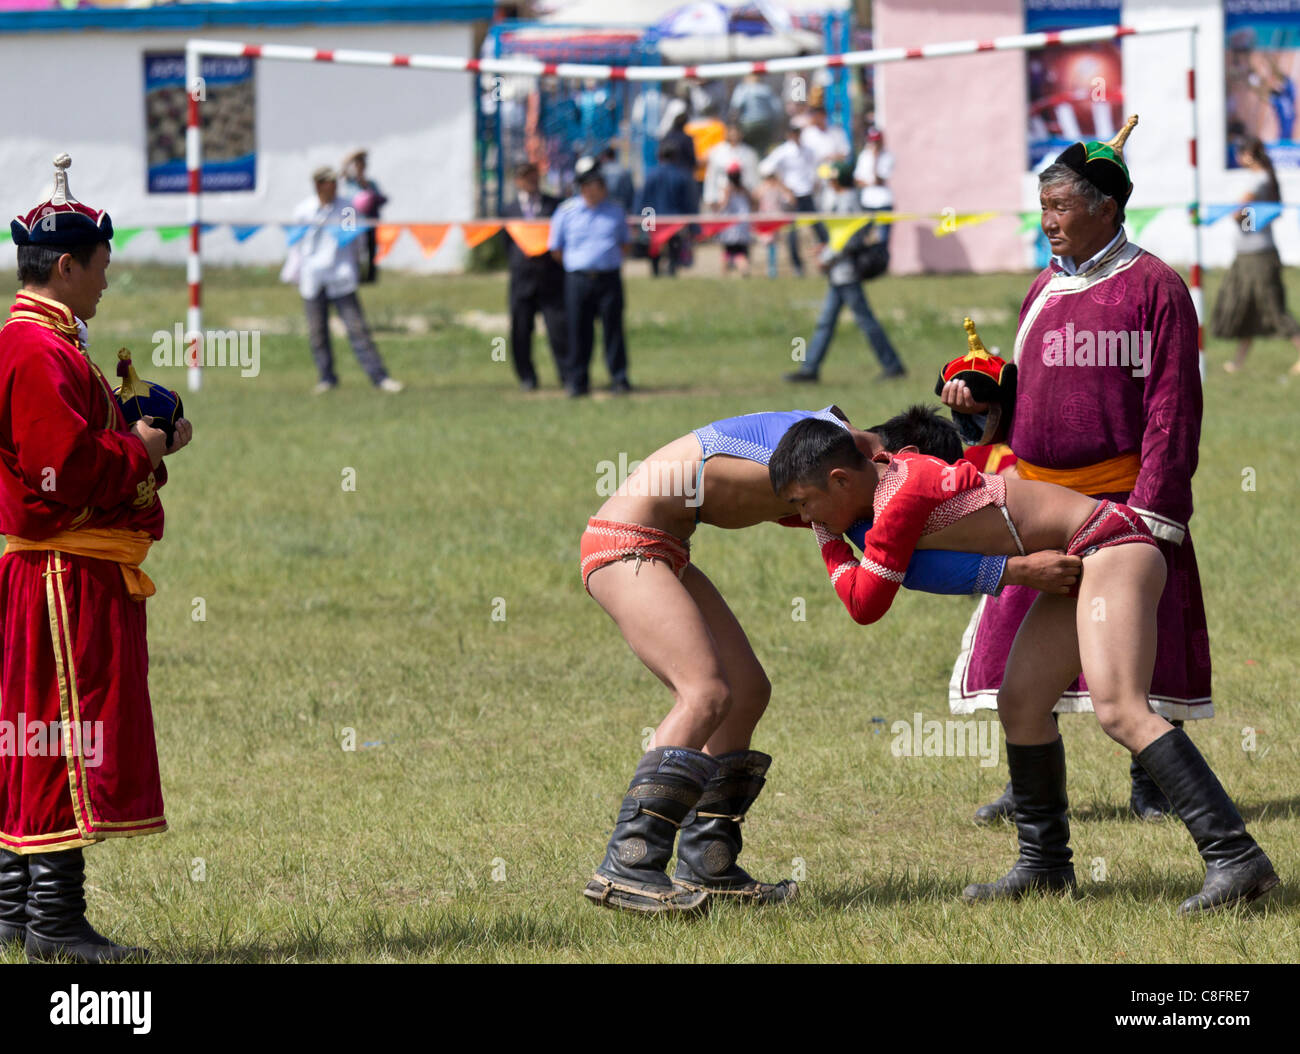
column 536, row 284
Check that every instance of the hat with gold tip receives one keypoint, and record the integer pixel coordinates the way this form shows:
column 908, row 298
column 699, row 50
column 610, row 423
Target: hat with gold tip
column 1102, row 164
column 144, row 399
column 61, row 221
column 990, row 378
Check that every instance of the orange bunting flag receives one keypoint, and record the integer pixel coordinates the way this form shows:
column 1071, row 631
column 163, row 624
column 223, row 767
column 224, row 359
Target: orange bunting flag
column 429, row 235
column 385, row 235
column 530, row 235
column 478, row 233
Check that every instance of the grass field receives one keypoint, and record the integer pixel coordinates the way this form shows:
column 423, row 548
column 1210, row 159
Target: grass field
column 491, row 755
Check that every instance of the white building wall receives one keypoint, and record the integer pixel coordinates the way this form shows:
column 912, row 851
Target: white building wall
column 417, row 125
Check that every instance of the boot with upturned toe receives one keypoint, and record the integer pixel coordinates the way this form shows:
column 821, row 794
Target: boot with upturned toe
column 711, row 840
column 1236, row 868
column 13, row 898
column 666, row 786
column 57, row 930
column 1003, row 808
column 1041, row 807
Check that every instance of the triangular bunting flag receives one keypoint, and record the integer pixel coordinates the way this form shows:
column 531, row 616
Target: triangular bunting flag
column 660, row 235
column 385, row 235
column 171, row 233
column 1139, row 218
column 347, row 235
column 531, row 236
column 243, row 232
column 708, row 230
column 294, row 232
column 123, row 235
column 768, row 226
column 1213, row 213
column 1030, row 221
column 429, row 235
column 478, row 233
column 842, row 230
column 949, row 224
column 1263, row 213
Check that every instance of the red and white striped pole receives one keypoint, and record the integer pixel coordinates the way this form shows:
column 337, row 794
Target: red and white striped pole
column 1198, row 294
column 196, row 90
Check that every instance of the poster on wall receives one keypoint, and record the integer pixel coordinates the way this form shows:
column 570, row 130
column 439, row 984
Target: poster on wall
column 1075, row 92
column 1261, row 63
column 229, row 131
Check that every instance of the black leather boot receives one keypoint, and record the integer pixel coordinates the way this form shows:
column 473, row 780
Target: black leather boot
column 13, row 898
column 57, row 930
column 1038, row 785
column 1003, row 808
column 711, row 841
column 1147, row 801
column 1236, row 869
column 667, row 784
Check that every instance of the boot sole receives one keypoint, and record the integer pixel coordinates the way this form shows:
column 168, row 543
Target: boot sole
column 679, row 902
column 750, row 897
column 1260, row 889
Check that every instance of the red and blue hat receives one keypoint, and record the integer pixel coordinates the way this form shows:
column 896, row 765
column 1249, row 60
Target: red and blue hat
column 61, row 221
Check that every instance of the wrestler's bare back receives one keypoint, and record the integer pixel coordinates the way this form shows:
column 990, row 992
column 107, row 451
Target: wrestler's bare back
column 667, row 490
column 1046, row 517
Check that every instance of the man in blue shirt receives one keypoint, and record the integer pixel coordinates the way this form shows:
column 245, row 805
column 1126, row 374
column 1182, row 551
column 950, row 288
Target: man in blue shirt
column 589, row 238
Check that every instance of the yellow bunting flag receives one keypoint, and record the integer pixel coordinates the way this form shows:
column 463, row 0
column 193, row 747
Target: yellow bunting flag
column 429, row 235
column 385, row 235
column 478, row 233
column 530, row 235
column 842, row 230
column 950, row 222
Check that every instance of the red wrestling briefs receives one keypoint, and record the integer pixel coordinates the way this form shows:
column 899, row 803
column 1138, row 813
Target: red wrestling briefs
column 1110, row 524
column 608, row 541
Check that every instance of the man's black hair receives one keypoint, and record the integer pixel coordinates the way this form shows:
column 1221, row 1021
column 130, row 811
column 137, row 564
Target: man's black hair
column 923, row 428
column 35, row 262
column 808, row 452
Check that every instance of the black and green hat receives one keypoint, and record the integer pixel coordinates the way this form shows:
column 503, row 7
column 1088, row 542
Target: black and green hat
column 1102, row 164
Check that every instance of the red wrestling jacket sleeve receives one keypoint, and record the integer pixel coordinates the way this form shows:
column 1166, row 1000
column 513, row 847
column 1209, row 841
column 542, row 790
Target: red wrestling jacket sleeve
column 68, row 459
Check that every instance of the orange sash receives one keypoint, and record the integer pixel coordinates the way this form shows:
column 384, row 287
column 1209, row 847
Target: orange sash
column 124, row 547
column 1112, row 476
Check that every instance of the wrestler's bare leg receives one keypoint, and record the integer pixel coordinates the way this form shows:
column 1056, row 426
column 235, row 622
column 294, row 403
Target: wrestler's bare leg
column 664, row 626
column 1118, row 594
column 750, row 688
column 1042, row 663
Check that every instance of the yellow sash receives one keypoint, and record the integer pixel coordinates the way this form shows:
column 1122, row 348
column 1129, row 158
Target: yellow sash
column 124, row 547
column 1114, row 475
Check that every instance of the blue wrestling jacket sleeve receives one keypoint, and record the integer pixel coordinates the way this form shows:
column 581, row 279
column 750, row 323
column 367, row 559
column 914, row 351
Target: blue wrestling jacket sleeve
column 943, row 572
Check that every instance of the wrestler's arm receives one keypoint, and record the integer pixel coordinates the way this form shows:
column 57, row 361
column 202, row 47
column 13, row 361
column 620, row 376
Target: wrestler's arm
column 945, row 573
column 60, row 454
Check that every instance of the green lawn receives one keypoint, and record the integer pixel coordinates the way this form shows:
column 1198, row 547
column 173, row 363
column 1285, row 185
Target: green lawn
column 501, row 748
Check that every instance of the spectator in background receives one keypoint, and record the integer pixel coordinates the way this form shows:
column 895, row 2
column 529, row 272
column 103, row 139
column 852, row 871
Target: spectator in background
column 368, row 200
column 871, row 175
column 846, row 270
column 536, row 284
column 792, row 165
column 589, row 239
column 706, row 132
column 827, row 146
column 756, row 108
column 772, row 197
column 324, row 266
column 733, row 151
column 617, row 178
column 736, row 201
column 668, row 191
column 680, row 143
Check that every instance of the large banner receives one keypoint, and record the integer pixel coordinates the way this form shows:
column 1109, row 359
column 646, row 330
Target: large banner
column 229, row 132
column 1261, row 63
column 1075, row 92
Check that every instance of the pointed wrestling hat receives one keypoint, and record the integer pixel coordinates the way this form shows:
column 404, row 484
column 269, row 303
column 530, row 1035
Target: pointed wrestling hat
column 1102, row 164
column 61, row 221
